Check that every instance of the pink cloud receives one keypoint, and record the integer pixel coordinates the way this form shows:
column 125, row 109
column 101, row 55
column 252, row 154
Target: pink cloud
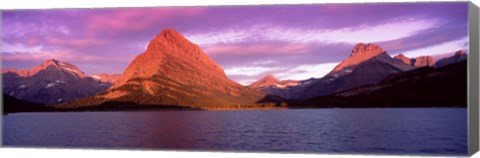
column 33, row 40
column 26, row 40
column 257, row 48
column 77, row 43
column 137, row 19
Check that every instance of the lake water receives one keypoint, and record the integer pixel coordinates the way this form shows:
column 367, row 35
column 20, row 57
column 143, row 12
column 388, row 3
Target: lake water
column 422, row 131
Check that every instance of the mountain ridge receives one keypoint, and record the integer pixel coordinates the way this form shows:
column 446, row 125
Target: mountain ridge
column 372, row 70
column 367, row 64
column 360, row 53
column 50, row 82
column 174, row 71
column 458, row 56
column 415, row 88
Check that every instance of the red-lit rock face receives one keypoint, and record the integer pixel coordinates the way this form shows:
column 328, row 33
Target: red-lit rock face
column 423, row 61
column 403, row 58
column 270, row 80
column 172, row 66
column 360, row 53
column 168, row 52
column 111, row 78
column 50, row 63
column 264, row 82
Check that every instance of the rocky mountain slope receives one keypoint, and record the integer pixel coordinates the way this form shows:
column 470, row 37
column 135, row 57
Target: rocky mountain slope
column 423, row 87
column 457, row 57
column 11, row 105
column 51, row 82
column 367, row 64
column 421, row 61
column 106, row 80
column 429, row 61
column 372, row 69
column 403, row 59
column 271, row 85
column 173, row 71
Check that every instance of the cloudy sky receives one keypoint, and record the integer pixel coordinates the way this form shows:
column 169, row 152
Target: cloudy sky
column 288, row 41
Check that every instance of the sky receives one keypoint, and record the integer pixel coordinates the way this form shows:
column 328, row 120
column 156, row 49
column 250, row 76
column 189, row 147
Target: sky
column 289, row 41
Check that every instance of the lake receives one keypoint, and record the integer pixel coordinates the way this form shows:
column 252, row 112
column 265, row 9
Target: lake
column 419, row 131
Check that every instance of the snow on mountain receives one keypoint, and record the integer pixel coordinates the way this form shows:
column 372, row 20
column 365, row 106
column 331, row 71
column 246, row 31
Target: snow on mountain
column 51, row 82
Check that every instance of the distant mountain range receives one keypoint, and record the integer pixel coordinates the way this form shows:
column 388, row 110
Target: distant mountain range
column 423, row 87
column 175, row 73
column 106, row 80
column 273, row 86
column 51, row 82
column 458, row 57
column 423, row 61
column 368, row 64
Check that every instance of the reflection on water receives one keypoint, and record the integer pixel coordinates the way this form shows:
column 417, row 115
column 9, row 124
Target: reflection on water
column 423, row 131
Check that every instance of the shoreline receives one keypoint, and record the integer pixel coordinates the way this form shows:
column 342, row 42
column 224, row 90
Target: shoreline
column 223, row 109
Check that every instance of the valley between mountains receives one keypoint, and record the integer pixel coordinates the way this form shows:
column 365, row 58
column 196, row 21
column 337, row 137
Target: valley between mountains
column 174, row 73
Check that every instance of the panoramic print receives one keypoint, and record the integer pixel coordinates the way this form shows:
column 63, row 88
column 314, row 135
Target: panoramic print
column 373, row 78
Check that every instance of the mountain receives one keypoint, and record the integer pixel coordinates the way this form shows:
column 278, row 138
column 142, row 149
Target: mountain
column 403, row 58
column 49, row 67
column 271, row 85
column 423, row 87
column 423, row 61
column 367, row 64
column 457, row 57
column 429, row 61
column 360, row 53
column 12, row 104
column 264, row 82
column 19, row 72
column 270, row 81
column 106, row 80
column 173, row 71
column 51, row 82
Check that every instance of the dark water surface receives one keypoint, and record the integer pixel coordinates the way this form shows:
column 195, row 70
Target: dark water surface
column 424, row 131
